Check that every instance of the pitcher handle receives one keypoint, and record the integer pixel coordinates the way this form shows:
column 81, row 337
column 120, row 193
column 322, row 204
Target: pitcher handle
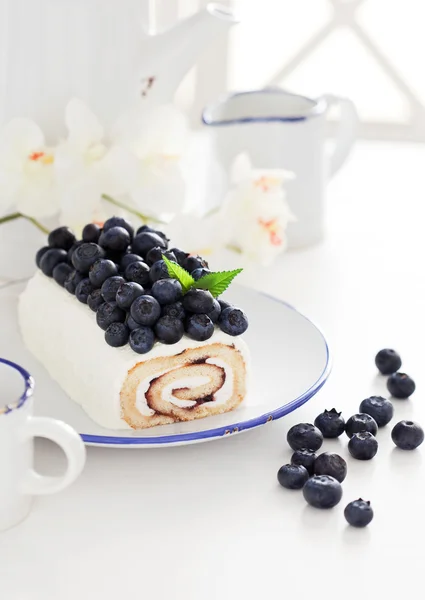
column 346, row 132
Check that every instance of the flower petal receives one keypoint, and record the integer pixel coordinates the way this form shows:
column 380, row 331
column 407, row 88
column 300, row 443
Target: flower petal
column 19, row 138
column 83, row 126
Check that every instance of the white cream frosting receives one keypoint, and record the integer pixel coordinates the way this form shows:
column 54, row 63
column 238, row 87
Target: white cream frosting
column 62, row 333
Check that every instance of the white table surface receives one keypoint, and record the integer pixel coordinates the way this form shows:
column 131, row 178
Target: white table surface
column 210, row 521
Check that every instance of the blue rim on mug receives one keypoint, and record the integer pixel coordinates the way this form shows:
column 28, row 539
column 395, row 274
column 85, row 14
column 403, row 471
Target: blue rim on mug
column 28, row 391
column 318, row 108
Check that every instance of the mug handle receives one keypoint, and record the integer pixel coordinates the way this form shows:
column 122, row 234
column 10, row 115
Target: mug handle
column 64, row 436
column 346, row 132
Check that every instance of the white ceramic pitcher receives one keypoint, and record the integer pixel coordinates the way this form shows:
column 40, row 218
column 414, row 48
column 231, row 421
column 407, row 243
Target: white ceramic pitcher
column 283, row 130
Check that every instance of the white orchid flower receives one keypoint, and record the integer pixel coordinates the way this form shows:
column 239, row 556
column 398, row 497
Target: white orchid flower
column 256, row 213
column 197, row 235
column 158, row 138
column 27, row 178
column 88, row 166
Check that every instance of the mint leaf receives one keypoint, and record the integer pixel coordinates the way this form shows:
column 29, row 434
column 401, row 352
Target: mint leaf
column 177, row 272
column 217, row 283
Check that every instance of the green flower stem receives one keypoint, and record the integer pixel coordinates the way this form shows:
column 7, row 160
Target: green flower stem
column 234, row 248
column 18, row 215
column 133, row 211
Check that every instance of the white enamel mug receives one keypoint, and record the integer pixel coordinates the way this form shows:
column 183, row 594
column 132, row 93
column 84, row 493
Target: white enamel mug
column 280, row 130
column 19, row 482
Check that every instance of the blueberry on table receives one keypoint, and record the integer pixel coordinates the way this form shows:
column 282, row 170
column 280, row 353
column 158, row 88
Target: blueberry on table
column 407, row 435
column 215, row 313
column 72, row 281
column 199, row 327
column 143, row 242
column 180, row 255
column 304, row 435
column 387, row 361
column 363, row 445
column 91, row 233
column 305, row 458
column 101, row 270
column 379, row 408
column 95, row 300
column 292, row 477
column 145, row 310
column 61, row 272
column 195, row 262
column 169, row 330
column 40, row 254
column 158, row 271
column 127, row 293
column 198, row 273
column 329, row 463
column 115, row 238
column 167, row 291
column 62, row 237
column 86, row 255
column 330, row 423
column 109, row 313
column 174, row 310
column 129, row 258
column 399, row 385
column 51, row 258
column 117, row 335
column 110, row 287
column 142, row 339
column 83, row 290
column 359, row 423
column 358, row 513
column 137, row 271
column 119, row 222
column 233, row 321
column 322, row 491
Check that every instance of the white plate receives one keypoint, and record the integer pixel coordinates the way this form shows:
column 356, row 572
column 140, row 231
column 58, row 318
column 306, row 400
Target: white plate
column 290, row 363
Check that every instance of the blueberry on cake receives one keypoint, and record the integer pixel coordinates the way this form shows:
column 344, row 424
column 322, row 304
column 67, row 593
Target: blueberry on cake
column 133, row 331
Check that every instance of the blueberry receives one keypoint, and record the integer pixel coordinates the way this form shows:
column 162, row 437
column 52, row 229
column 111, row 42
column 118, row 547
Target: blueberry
column 198, row 301
column 388, row 361
column 143, row 242
column 129, row 258
column 148, row 229
column 169, row 330
column 224, row 304
column 322, row 491
column 199, row 327
column 110, row 287
column 62, row 237
column 214, row 314
column 72, row 281
column 304, row 435
column 407, row 435
column 50, row 259
column 83, row 290
column 137, row 272
column 167, row 291
column 95, row 300
column 363, row 445
column 180, row 255
column 157, row 253
column 358, row 513
column 119, row 222
column 233, row 321
column 198, row 273
column 304, row 457
column 145, row 310
column 142, row 339
column 102, row 270
column 130, row 322
column 40, row 254
column 359, row 423
column 115, row 238
column 117, row 335
column 158, row 271
column 195, row 262
column 330, row 423
column 399, row 385
column 91, row 233
column 108, row 313
column 86, row 255
column 329, row 463
column 292, row 477
column 127, row 293
column 72, row 250
column 378, row 408
column 174, row 310
column 61, row 272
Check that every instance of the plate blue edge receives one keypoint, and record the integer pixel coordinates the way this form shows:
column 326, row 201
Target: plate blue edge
column 235, row 427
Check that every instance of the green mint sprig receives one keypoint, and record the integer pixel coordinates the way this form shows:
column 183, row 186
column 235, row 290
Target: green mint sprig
column 215, row 283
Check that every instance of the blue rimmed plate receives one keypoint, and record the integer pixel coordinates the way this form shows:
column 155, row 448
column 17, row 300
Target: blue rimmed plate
column 290, row 363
